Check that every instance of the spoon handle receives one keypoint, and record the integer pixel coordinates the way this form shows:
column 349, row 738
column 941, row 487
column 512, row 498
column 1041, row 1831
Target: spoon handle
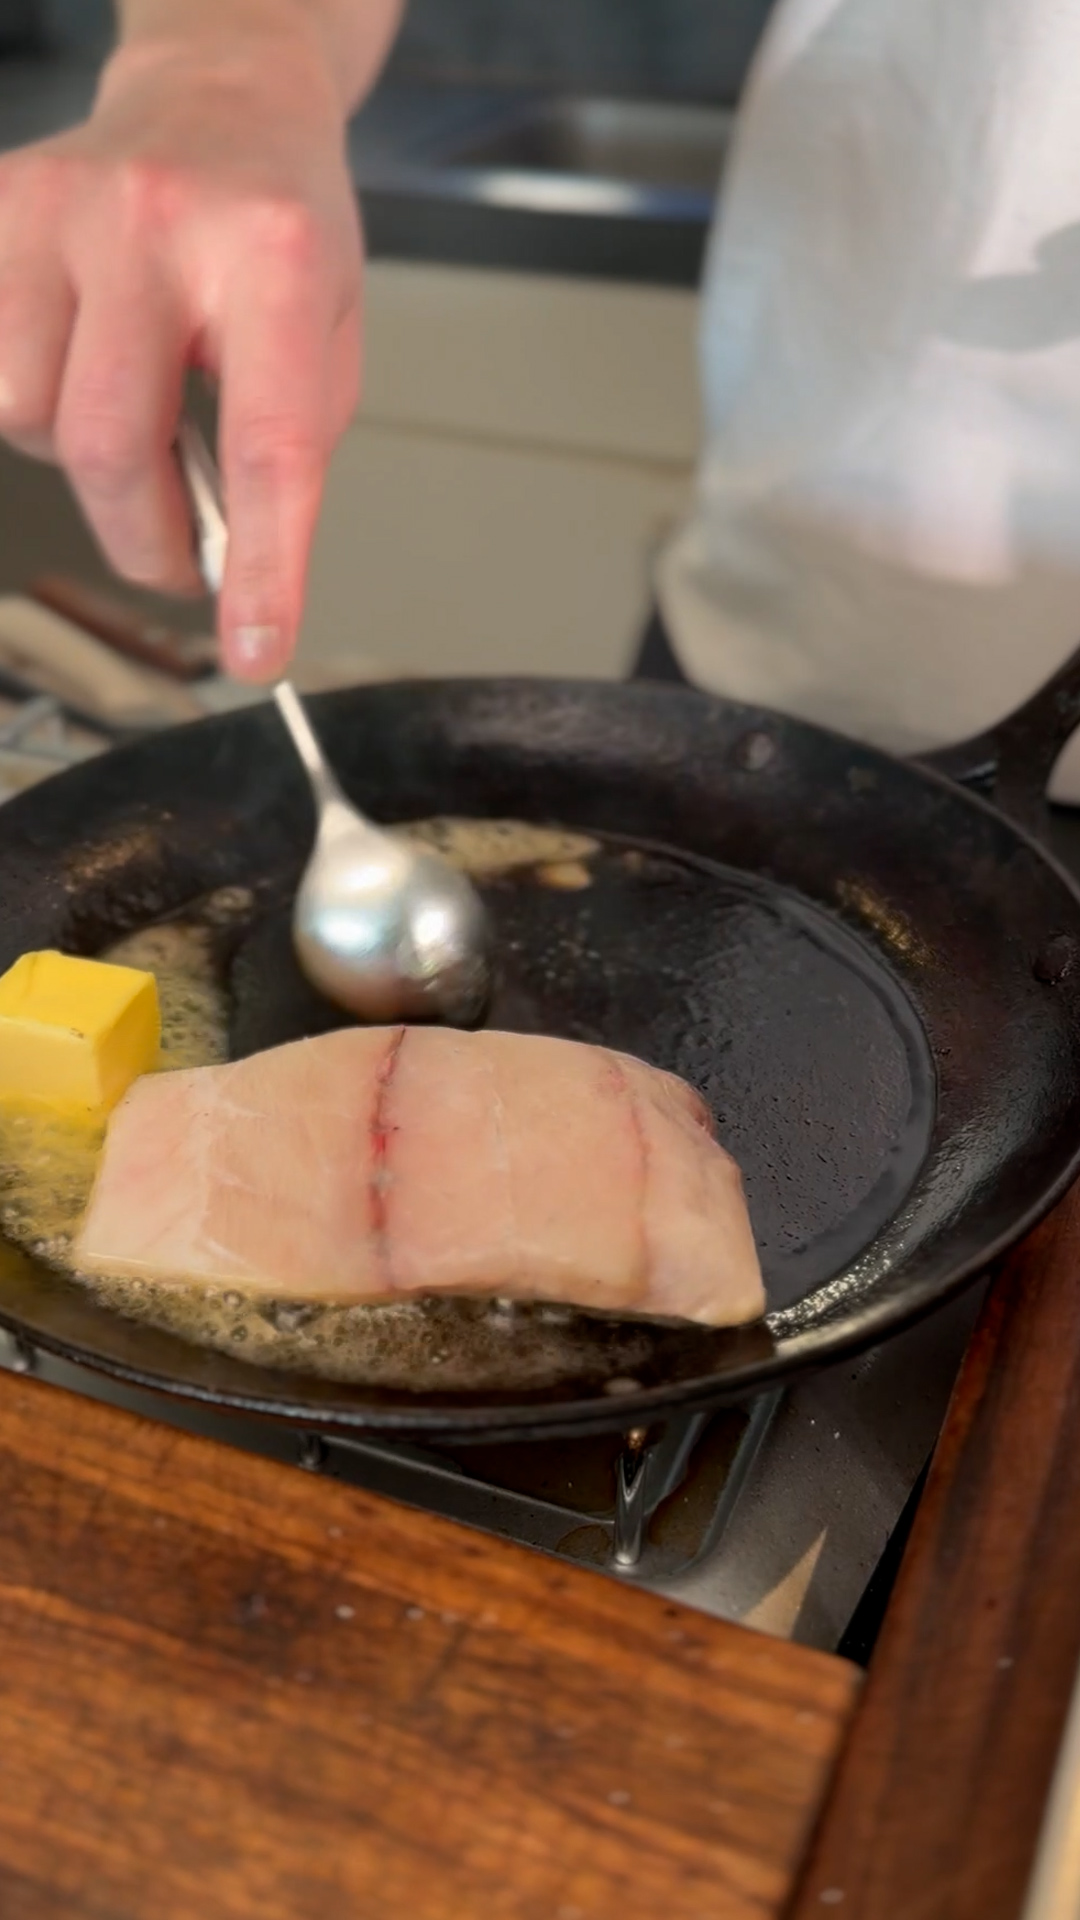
column 203, row 481
column 204, row 491
column 291, row 708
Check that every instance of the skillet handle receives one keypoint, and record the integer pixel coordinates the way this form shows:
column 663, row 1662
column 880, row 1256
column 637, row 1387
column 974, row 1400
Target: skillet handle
column 1012, row 763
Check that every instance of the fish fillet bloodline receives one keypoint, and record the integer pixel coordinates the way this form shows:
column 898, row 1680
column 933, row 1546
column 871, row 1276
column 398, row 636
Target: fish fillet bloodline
column 381, row 1134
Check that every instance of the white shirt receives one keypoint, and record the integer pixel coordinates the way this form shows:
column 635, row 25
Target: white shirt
column 886, row 535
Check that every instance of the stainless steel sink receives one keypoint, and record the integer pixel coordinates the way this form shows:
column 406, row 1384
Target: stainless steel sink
column 620, row 188
column 639, row 143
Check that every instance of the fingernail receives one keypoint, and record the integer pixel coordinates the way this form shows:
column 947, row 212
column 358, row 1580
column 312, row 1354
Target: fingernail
column 257, row 651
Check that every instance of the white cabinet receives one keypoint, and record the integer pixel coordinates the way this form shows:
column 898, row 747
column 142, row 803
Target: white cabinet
column 523, row 445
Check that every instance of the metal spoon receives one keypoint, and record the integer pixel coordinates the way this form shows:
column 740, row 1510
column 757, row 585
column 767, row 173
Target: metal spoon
column 379, row 926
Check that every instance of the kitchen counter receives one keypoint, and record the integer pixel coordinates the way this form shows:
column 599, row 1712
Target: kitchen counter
column 492, row 177
column 232, row 1689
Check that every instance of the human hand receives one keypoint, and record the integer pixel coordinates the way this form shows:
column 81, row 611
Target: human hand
column 203, row 216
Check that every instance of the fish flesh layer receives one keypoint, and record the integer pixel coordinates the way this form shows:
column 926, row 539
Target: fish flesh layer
column 380, row 1162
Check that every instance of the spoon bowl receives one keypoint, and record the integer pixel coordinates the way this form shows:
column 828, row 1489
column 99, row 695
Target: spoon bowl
column 387, row 930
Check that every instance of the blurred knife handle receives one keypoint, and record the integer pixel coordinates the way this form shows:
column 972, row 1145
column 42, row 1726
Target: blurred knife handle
column 149, row 642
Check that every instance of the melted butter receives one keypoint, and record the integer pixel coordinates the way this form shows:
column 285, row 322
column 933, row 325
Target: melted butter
column 194, row 1005
column 892, row 926
column 46, row 1172
column 426, row 1345
column 487, row 849
column 47, row 1169
column 566, row 876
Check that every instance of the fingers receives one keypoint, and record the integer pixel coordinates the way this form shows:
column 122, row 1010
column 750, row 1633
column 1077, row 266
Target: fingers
column 92, row 347
column 36, row 311
column 37, row 305
column 116, row 422
column 289, row 375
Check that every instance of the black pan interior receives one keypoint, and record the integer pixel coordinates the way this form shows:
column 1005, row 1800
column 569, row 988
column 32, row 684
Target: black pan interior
column 843, row 953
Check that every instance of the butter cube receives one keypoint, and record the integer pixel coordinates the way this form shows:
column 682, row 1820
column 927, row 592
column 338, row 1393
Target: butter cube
column 74, row 1033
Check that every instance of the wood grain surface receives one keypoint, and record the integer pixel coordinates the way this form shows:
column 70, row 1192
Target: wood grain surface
column 228, row 1688
column 938, row 1801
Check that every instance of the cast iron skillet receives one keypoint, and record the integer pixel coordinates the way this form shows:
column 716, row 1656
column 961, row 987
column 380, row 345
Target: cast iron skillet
column 869, row 972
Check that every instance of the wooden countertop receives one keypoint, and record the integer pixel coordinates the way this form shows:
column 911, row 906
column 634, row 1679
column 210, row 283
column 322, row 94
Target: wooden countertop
column 230, row 1689
column 939, row 1801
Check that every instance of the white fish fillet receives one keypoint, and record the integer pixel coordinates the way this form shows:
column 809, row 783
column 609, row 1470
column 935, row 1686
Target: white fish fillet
column 392, row 1161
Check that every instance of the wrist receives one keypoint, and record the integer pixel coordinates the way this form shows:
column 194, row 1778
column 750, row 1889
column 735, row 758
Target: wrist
column 243, row 42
